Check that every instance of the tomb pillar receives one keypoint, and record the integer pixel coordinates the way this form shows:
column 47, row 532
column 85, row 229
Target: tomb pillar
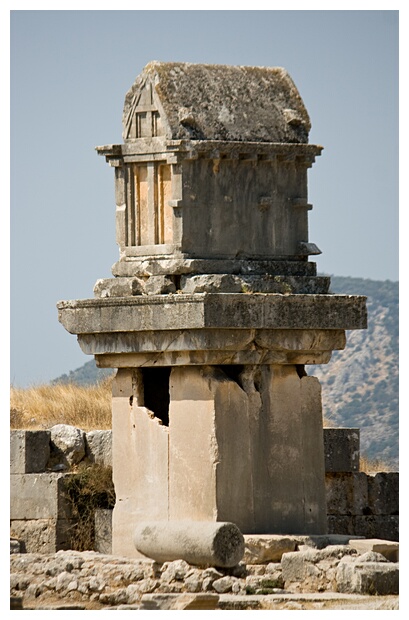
column 215, row 312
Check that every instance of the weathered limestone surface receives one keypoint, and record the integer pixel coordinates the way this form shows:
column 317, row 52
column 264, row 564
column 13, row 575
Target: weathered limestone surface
column 38, row 496
column 369, row 573
column 200, row 488
column 342, row 449
column 369, row 526
column 195, row 148
column 176, row 603
column 43, row 535
column 219, row 114
column 29, row 451
column 91, row 580
column 214, row 308
column 211, row 283
column 103, row 531
column 347, row 493
column 383, row 491
column 68, row 442
column 50, row 534
column 140, row 462
column 363, row 504
column 182, row 265
column 389, row 549
column 212, row 346
column 262, row 548
column 37, row 452
column 338, row 568
column 98, row 446
column 197, row 542
column 230, row 418
column 208, row 310
column 234, row 419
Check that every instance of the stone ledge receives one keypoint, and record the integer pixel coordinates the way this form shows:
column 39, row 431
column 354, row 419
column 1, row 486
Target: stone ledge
column 211, row 283
column 213, row 310
column 262, row 548
column 146, row 266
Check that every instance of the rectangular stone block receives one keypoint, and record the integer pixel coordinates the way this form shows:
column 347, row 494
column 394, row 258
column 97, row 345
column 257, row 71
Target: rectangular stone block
column 377, row 526
column 42, row 535
column 103, row 531
column 390, row 550
column 340, row 524
column 140, row 461
column 234, row 467
column 374, row 578
column 99, row 447
column 29, row 451
column 346, row 493
column 39, row 496
column 341, row 448
column 383, row 492
column 213, row 310
column 263, row 548
column 200, row 399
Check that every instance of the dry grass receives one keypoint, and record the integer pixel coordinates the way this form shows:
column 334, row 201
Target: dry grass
column 43, row 406
column 373, row 466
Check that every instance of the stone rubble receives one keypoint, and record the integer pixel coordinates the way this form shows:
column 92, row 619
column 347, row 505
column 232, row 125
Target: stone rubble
column 93, row 580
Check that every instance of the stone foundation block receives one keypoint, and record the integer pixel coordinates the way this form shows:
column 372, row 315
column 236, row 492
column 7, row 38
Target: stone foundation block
column 377, row 578
column 377, row 526
column 42, row 535
column 390, row 550
column 304, row 565
column 383, row 492
column 179, row 601
column 29, row 451
column 140, row 462
column 98, row 446
column 38, row 496
column 341, row 524
column 341, row 448
column 245, row 434
column 262, row 548
column 67, row 444
column 346, row 493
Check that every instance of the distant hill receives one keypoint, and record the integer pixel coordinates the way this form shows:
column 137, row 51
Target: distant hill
column 360, row 385
column 88, row 374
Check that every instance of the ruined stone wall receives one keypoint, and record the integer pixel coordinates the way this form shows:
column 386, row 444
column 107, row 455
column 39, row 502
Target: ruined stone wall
column 358, row 504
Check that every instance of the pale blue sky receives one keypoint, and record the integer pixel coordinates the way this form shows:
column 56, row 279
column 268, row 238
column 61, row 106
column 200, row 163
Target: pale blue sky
column 70, row 71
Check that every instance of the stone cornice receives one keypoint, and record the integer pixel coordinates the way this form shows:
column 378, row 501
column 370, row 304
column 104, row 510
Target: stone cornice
column 148, row 149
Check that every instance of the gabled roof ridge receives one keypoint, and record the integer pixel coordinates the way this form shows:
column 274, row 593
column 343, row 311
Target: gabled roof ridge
column 223, row 102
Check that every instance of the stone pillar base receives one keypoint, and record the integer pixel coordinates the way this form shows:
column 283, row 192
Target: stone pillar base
column 242, row 444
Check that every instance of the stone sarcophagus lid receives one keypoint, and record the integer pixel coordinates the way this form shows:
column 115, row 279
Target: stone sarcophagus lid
column 214, row 307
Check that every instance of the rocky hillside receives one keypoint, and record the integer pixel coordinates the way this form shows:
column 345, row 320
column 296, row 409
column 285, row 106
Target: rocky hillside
column 360, row 384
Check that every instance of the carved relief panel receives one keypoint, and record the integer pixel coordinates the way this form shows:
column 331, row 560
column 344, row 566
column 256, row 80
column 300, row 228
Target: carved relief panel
column 148, row 215
column 143, row 120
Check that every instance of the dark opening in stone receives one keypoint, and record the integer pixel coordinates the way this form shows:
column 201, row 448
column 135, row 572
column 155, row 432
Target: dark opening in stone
column 300, row 368
column 156, row 391
column 233, row 371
